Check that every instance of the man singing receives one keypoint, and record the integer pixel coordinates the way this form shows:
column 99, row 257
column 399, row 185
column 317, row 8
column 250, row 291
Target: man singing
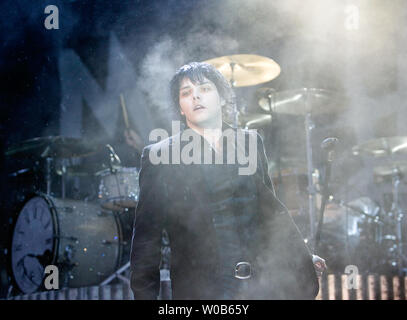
column 230, row 237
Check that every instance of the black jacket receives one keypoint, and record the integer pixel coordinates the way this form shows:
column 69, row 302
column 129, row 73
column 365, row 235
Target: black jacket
column 172, row 197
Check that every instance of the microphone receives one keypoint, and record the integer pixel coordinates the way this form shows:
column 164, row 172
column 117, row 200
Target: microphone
column 114, row 158
column 328, row 145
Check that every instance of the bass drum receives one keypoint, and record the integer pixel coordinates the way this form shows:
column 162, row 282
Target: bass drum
column 84, row 242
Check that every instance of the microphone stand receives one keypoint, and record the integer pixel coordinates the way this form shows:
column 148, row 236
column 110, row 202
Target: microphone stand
column 114, row 158
column 328, row 144
column 274, row 135
column 232, row 84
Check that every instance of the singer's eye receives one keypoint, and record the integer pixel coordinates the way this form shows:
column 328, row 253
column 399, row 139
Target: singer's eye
column 185, row 93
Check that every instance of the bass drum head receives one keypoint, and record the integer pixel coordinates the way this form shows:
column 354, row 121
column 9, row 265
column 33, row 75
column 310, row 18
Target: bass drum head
column 33, row 244
column 85, row 243
column 90, row 242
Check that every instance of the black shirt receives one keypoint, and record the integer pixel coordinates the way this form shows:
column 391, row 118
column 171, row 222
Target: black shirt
column 233, row 209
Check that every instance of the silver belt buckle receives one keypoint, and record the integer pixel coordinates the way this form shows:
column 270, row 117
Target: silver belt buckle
column 243, row 270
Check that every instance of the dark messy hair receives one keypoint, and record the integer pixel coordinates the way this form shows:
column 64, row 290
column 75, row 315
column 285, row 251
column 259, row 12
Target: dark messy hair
column 196, row 72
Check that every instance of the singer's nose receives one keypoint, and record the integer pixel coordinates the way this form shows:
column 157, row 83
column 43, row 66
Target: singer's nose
column 196, row 94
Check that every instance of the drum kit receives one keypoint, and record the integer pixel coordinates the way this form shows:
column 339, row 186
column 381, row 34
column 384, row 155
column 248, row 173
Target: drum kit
column 357, row 231
column 90, row 241
column 87, row 239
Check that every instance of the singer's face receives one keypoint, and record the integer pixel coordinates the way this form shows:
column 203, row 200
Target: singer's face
column 200, row 103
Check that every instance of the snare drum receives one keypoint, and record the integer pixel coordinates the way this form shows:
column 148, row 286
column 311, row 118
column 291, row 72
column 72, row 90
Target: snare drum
column 84, row 242
column 119, row 188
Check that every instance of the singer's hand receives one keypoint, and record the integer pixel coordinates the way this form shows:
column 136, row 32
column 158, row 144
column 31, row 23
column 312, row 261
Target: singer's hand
column 133, row 139
column 319, row 265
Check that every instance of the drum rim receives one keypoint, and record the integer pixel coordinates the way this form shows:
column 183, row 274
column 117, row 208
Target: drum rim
column 56, row 224
column 107, row 172
column 55, row 230
column 112, row 200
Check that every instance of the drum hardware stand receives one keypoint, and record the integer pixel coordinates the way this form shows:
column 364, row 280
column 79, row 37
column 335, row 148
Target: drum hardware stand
column 271, row 103
column 63, row 178
column 9, row 291
column 48, row 165
column 398, row 216
column 165, row 292
column 309, row 125
column 118, row 275
column 232, row 84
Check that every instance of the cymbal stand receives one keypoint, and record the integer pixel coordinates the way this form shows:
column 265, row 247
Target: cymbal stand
column 273, row 129
column 397, row 213
column 48, row 178
column 63, row 178
column 309, row 125
column 232, row 84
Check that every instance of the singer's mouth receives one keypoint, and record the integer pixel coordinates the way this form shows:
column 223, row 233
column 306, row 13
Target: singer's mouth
column 199, row 107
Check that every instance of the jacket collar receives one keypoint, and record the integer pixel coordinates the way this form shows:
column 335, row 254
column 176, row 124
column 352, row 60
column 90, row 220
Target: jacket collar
column 225, row 126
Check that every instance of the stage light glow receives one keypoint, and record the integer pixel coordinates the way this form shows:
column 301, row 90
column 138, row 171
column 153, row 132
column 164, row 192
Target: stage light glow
column 352, row 17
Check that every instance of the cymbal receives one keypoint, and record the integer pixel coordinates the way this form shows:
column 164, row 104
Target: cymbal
column 79, row 170
column 364, row 205
column 382, row 147
column 248, row 69
column 397, row 168
column 53, row 147
column 254, row 120
column 300, row 101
